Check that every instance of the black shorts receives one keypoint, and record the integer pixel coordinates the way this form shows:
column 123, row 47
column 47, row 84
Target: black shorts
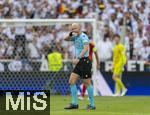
column 83, row 68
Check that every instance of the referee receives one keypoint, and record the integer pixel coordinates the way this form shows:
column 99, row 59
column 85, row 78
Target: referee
column 82, row 64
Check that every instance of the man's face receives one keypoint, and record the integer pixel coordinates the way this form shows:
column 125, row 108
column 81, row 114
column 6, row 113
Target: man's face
column 75, row 29
column 117, row 39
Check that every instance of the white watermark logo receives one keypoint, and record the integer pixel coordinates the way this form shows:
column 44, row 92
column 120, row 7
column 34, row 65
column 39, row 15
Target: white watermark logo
column 24, row 98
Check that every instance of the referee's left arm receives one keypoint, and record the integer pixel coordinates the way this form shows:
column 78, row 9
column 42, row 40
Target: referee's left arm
column 85, row 49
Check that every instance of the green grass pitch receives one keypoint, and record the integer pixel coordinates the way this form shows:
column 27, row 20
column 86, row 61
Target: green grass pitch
column 127, row 105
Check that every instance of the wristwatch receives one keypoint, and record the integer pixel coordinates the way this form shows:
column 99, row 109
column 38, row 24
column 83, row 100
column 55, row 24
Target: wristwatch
column 79, row 58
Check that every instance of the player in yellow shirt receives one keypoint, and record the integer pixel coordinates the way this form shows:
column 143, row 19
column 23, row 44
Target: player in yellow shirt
column 119, row 60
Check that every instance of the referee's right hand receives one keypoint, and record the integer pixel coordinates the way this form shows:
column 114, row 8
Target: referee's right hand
column 75, row 61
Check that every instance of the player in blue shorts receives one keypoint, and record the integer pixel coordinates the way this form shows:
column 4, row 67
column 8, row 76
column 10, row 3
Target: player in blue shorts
column 82, row 68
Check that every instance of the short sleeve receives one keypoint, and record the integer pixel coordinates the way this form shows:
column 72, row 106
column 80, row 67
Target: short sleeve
column 85, row 40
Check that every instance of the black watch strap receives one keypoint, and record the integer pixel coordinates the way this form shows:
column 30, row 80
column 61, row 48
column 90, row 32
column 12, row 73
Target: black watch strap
column 79, row 58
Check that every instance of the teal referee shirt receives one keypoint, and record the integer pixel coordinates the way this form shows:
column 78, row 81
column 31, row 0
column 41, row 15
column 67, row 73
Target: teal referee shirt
column 79, row 42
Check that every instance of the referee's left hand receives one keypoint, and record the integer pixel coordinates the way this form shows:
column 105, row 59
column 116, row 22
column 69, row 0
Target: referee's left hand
column 75, row 61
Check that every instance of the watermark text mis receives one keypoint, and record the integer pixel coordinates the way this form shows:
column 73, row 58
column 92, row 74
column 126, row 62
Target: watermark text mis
column 27, row 101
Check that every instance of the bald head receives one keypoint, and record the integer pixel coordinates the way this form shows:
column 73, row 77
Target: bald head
column 75, row 27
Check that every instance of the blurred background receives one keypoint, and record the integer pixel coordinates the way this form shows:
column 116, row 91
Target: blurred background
column 25, row 51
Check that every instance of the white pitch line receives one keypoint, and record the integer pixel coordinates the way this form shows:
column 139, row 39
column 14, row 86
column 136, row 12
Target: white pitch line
column 100, row 112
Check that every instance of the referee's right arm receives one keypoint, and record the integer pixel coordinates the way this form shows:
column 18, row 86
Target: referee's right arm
column 68, row 38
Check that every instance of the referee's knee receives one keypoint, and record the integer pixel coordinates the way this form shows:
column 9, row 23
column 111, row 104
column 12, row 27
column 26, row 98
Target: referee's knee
column 72, row 81
column 73, row 78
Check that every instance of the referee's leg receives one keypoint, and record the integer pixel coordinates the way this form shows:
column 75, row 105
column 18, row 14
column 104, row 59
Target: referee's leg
column 89, row 86
column 73, row 88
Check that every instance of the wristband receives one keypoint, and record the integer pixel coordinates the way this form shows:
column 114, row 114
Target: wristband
column 70, row 34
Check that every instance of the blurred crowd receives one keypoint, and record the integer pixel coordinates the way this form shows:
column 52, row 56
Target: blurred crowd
column 129, row 18
column 32, row 42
